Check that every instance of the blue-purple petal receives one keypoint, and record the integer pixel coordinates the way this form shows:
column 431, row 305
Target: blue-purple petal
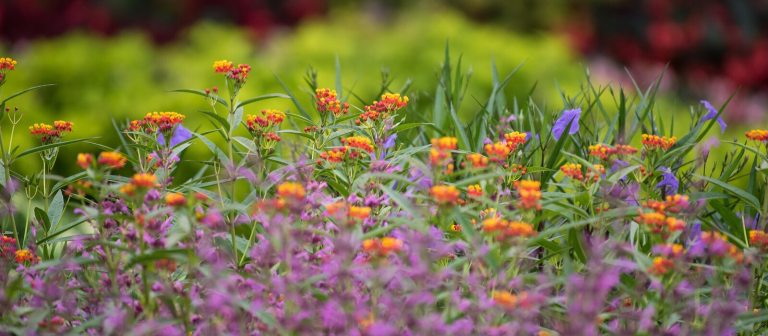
column 568, row 116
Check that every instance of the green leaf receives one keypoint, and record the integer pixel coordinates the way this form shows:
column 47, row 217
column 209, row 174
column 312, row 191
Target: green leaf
column 60, row 231
column 743, row 195
column 202, row 93
column 262, row 97
column 16, row 94
column 49, row 146
column 178, row 254
column 42, row 218
column 56, row 209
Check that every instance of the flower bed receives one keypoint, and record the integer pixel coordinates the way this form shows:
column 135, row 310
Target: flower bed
column 378, row 219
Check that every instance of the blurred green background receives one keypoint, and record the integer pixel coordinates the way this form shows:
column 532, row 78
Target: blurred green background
column 117, row 60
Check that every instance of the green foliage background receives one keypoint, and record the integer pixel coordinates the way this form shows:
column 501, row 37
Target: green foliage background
column 123, row 77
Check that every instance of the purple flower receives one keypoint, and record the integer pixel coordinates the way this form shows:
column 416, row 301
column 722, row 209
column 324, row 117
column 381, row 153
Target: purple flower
column 712, row 113
column 390, row 141
column 180, row 134
column 568, row 116
column 669, row 182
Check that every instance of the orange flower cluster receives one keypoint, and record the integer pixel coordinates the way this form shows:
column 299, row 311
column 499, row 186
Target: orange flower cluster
column 715, row 238
column 139, row 181
column 759, row 239
column 113, row 160
column 268, row 118
column 661, row 266
column 383, row 246
column 175, row 199
column 758, row 135
column 335, row 155
column 515, row 139
column 445, row 194
column 658, row 222
column 516, row 168
column 153, row 121
column 359, row 142
column 572, row 170
column 508, row 229
column 327, row 101
column 604, row 151
column 510, row 301
column 84, row 160
column 350, row 211
column 7, row 63
column 529, row 194
column 237, row 73
column 25, row 256
column 673, row 204
column 652, row 142
column 291, row 190
column 475, row 190
column 440, row 153
column 477, row 160
column 498, row 151
column 48, row 133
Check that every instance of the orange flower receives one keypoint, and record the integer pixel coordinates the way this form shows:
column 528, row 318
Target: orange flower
column 624, row 150
column 494, row 224
column 175, row 199
column 661, row 266
column 128, row 189
column 164, row 121
column 359, row 142
column 515, row 139
column 327, row 101
column 24, row 256
column 445, row 143
column 758, row 239
column 652, row 142
column 595, row 172
column 334, row 155
column 144, row 180
column 508, row 300
column 62, row 126
column 572, row 170
column 529, row 194
column 601, row 151
column 497, row 151
column 382, row 246
column 359, row 212
column 477, row 160
column 757, row 135
column 475, row 190
column 222, row 66
column 268, row 118
column 113, row 160
column 676, row 203
column 654, row 220
column 7, row 63
column 291, row 190
column 84, row 160
column 516, row 168
column 674, row 224
column 445, row 194
column 519, row 229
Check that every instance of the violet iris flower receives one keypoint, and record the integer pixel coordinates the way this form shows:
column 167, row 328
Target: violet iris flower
column 669, row 182
column 180, row 134
column 568, row 116
column 712, row 113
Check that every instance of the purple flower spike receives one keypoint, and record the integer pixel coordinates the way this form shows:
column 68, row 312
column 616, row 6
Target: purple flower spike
column 568, row 116
column 712, row 113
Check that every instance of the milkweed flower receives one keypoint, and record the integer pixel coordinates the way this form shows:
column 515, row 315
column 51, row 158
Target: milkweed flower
column 600, row 151
column 222, row 66
column 652, row 142
column 444, row 194
column 515, row 139
column 383, row 246
column 661, row 266
column 477, row 160
column 669, row 250
column 758, row 238
column 568, row 116
column 519, row 229
column 529, row 194
column 572, row 170
column 175, row 199
column 475, row 190
column 511, row 301
column 84, row 160
column 711, row 114
column 334, row 155
column 291, row 190
column 163, row 121
column 440, row 153
column 757, row 135
column 51, row 134
column 144, row 180
column 383, row 108
column 327, row 100
column 6, row 64
column 113, row 160
column 359, row 142
column 497, row 152
column 24, row 256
